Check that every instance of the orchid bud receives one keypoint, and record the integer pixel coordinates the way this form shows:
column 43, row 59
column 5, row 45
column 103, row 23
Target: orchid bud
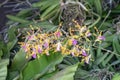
column 101, row 38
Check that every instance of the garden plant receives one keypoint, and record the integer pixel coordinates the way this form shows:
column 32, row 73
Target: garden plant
column 62, row 40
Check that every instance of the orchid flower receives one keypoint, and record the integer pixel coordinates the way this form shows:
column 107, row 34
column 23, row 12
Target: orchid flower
column 87, row 59
column 73, row 51
column 34, row 53
column 46, row 44
column 88, row 34
column 58, row 33
column 84, row 53
column 25, row 47
column 101, row 38
column 58, row 46
column 39, row 49
column 31, row 37
column 74, row 42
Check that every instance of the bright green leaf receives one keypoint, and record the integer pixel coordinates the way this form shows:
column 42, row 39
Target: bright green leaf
column 39, row 67
column 66, row 74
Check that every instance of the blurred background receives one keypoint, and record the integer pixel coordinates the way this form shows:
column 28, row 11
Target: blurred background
column 12, row 7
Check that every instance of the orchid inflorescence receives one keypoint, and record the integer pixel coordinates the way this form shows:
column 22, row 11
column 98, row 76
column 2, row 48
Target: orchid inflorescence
column 38, row 43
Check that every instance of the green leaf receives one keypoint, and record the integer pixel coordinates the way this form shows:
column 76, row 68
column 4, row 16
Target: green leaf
column 19, row 61
column 82, row 74
column 13, row 75
column 101, row 58
column 43, row 4
column 114, row 63
column 5, row 51
column 23, row 12
column 2, row 48
column 110, row 38
column 105, row 44
column 47, row 26
column 99, row 51
column 68, row 61
column 41, row 66
column 116, row 76
column 91, row 2
column 47, row 76
column 116, row 44
column 3, row 68
column 12, row 38
column 1, row 53
column 11, row 34
column 65, row 74
column 17, row 19
column 96, row 21
column 98, row 6
column 49, row 10
column 1, row 44
column 106, row 61
column 52, row 14
column 11, row 44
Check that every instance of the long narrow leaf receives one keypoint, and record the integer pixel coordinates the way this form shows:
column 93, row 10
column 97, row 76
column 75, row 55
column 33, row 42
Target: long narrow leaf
column 101, row 58
column 17, row 19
